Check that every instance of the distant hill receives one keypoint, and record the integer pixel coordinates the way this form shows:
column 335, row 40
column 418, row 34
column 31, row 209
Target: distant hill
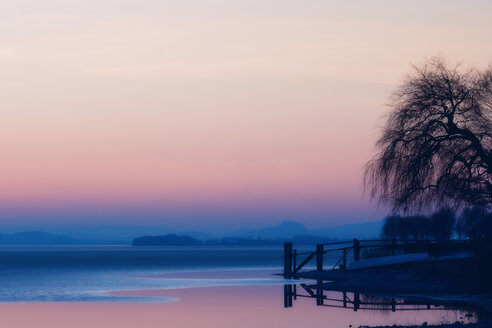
column 170, row 239
column 290, row 229
column 174, row 240
column 112, row 234
column 36, row 238
column 286, row 229
column 367, row 230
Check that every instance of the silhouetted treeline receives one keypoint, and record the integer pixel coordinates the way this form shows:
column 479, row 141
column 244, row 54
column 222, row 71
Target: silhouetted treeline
column 241, row 241
column 474, row 223
column 173, row 239
column 300, row 240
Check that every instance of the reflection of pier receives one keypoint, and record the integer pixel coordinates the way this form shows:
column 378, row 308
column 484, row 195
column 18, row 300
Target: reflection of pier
column 350, row 300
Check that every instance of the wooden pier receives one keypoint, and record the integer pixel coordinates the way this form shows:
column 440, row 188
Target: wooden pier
column 351, row 252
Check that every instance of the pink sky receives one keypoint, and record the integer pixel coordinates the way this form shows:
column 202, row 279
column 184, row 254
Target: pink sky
column 229, row 106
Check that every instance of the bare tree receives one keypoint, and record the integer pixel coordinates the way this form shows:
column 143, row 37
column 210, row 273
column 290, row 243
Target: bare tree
column 436, row 146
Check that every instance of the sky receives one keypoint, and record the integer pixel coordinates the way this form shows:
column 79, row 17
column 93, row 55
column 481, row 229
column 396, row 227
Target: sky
column 208, row 115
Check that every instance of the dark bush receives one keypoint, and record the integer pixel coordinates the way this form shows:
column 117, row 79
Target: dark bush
column 442, row 223
column 475, row 223
column 418, row 227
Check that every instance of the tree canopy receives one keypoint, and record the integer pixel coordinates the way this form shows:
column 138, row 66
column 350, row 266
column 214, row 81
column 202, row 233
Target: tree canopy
column 436, row 145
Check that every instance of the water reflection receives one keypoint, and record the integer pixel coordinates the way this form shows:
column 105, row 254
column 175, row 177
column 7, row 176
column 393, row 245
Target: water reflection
column 325, row 296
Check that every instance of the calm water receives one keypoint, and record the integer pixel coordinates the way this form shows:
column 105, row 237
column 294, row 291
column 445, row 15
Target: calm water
column 124, row 286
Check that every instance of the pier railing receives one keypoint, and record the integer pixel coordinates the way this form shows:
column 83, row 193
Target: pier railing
column 295, row 260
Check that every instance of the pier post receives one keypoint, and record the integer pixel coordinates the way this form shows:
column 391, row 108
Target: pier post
column 356, row 250
column 319, row 293
column 344, row 259
column 287, row 260
column 319, row 257
column 356, row 301
column 287, row 296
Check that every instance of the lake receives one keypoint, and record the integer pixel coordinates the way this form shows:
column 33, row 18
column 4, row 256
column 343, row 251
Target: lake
column 199, row 286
